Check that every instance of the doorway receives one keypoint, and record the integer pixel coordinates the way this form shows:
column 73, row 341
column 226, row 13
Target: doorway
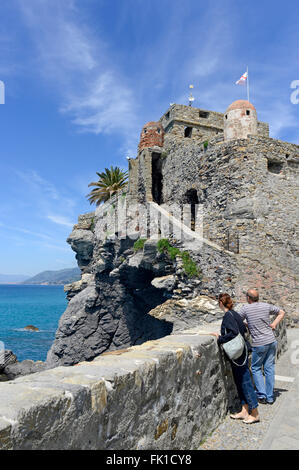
column 157, row 178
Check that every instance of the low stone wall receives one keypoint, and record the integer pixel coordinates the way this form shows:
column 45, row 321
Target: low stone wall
column 164, row 394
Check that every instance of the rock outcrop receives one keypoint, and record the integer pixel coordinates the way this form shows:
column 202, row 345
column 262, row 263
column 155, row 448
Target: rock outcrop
column 188, row 313
column 108, row 308
column 31, row 328
column 11, row 368
column 113, row 305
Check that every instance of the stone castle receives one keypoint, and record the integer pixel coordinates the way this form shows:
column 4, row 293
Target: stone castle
column 185, row 122
column 245, row 182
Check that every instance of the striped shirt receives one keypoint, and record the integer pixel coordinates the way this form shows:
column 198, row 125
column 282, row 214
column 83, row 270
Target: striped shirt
column 258, row 319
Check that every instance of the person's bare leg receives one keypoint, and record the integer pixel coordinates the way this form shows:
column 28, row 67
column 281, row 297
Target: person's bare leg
column 243, row 413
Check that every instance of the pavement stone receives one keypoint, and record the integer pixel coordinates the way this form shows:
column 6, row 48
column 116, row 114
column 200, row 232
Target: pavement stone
column 283, row 432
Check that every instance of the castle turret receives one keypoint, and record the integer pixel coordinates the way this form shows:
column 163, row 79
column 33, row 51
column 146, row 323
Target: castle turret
column 152, row 135
column 240, row 120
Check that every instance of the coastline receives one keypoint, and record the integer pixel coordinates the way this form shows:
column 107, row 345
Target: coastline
column 30, row 304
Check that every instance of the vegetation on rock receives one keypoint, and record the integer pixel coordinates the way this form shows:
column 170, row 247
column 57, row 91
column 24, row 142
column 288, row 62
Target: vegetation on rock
column 139, row 244
column 190, row 267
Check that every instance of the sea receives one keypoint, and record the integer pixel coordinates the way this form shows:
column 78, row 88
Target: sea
column 22, row 305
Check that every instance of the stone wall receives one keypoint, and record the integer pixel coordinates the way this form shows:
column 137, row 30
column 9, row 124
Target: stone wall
column 248, row 191
column 166, row 394
column 169, row 393
column 202, row 124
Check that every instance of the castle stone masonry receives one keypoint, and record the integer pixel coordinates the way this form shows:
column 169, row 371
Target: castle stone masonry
column 240, row 120
column 198, row 124
column 245, row 182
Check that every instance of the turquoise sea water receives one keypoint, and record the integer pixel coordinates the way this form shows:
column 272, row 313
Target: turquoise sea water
column 41, row 306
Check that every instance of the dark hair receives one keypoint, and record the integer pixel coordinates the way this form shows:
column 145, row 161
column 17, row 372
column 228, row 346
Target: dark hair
column 226, row 300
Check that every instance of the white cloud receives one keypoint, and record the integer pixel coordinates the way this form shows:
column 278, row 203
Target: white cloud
column 202, row 48
column 45, row 198
column 33, row 179
column 105, row 107
column 60, row 247
column 94, row 93
column 60, row 220
column 25, row 231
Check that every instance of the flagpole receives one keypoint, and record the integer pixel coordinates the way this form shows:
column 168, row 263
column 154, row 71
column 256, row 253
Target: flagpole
column 247, row 85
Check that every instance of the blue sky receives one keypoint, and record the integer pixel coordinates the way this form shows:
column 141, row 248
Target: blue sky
column 83, row 76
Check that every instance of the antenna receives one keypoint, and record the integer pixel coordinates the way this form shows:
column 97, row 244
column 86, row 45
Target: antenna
column 191, row 99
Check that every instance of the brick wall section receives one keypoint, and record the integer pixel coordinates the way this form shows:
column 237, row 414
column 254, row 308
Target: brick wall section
column 151, row 135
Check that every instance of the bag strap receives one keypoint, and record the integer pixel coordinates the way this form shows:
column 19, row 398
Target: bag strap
column 240, row 365
column 234, row 320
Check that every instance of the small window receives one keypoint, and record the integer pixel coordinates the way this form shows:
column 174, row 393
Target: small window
column 226, row 116
column 274, row 167
column 144, row 131
column 188, row 132
column 203, row 114
column 159, row 130
column 247, row 112
column 287, row 155
column 167, row 115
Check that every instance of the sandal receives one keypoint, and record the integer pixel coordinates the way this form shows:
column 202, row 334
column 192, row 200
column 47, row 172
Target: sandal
column 251, row 421
column 237, row 417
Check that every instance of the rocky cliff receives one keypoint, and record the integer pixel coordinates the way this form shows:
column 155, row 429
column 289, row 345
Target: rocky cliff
column 114, row 304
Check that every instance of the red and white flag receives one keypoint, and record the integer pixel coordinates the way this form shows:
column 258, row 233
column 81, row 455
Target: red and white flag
column 242, row 80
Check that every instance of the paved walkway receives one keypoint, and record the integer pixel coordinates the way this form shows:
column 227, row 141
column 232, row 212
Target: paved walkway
column 283, row 431
column 279, row 426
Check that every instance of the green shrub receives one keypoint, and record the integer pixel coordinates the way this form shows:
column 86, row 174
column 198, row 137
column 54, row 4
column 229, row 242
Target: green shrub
column 92, row 224
column 139, row 244
column 205, row 144
column 173, row 252
column 189, row 266
column 163, row 245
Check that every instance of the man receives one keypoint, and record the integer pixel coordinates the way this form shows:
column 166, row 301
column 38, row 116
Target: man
column 264, row 344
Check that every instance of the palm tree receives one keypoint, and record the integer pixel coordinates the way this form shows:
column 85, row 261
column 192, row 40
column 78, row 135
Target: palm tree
column 110, row 182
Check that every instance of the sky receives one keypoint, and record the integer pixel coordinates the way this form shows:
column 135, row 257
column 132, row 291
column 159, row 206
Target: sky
column 82, row 77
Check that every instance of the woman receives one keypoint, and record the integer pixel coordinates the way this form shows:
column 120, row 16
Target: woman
column 232, row 325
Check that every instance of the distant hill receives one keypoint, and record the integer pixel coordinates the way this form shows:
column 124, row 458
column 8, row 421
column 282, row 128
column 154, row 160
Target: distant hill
column 12, row 278
column 61, row 277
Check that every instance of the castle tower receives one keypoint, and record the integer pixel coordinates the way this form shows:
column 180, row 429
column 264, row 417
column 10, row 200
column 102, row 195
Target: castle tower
column 152, row 135
column 240, row 120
